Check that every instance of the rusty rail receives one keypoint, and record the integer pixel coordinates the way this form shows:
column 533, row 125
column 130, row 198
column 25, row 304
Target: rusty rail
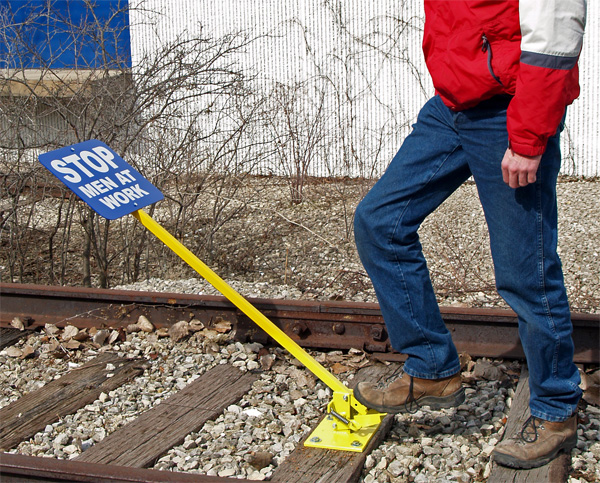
column 319, row 325
column 20, row 468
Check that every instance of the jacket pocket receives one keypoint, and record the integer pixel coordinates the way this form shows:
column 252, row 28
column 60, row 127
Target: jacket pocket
column 486, row 47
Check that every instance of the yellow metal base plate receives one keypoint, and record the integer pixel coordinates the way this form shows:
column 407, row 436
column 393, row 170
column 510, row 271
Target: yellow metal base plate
column 327, row 437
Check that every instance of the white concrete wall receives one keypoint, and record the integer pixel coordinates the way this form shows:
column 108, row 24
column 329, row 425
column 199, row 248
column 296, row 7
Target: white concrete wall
column 388, row 91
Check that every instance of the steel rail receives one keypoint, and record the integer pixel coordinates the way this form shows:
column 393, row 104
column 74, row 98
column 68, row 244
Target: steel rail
column 312, row 324
column 21, row 468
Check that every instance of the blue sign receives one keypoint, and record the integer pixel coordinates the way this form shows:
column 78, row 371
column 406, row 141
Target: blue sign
column 101, row 178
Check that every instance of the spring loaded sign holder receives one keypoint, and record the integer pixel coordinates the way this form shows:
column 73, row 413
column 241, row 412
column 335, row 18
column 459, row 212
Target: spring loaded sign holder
column 113, row 189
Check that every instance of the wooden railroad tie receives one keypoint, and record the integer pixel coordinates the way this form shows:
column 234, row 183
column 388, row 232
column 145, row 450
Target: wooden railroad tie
column 10, row 336
column 31, row 413
column 140, row 443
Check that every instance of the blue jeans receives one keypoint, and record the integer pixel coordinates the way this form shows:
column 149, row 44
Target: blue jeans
column 444, row 149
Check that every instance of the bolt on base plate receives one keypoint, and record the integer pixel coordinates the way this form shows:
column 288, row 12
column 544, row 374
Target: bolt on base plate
column 326, row 436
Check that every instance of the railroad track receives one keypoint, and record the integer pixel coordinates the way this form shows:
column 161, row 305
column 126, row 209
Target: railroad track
column 315, row 325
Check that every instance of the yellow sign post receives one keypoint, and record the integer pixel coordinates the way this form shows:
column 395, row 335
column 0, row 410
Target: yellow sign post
column 348, row 424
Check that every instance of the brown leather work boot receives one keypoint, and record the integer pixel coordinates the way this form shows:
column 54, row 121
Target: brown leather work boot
column 407, row 394
column 537, row 443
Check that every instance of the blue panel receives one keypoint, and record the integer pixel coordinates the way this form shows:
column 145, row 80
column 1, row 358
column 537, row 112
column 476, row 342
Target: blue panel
column 92, row 34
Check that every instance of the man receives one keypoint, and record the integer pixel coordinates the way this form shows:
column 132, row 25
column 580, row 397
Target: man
column 504, row 72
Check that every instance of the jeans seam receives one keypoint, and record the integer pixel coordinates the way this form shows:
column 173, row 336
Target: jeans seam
column 399, row 265
column 404, row 286
column 541, row 265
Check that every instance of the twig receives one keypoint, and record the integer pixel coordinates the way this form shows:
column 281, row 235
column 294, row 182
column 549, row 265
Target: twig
column 292, row 222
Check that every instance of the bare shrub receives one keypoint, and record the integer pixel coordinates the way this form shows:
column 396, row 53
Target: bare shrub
column 182, row 117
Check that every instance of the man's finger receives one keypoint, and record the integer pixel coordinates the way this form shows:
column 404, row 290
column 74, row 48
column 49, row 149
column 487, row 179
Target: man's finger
column 522, row 177
column 505, row 175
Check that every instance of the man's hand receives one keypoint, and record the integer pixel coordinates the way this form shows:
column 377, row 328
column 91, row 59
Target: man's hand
column 518, row 170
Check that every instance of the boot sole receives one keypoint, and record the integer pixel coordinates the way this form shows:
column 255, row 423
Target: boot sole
column 434, row 403
column 515, row 463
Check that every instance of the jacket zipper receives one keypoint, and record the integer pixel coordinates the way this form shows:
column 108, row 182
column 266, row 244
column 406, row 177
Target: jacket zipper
column 487, row 47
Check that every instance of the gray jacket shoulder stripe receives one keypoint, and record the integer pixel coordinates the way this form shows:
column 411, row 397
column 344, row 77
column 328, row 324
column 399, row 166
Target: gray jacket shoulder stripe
column 549, row 61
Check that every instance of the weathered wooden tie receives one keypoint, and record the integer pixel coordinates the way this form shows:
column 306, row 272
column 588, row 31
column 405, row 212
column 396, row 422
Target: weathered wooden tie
column 557, row 471
column 31, row 413
column 308, row 465
column 10, row 336
column 140, row 443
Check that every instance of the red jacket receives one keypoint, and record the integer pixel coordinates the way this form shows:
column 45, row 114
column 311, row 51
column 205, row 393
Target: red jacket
column 529, row 49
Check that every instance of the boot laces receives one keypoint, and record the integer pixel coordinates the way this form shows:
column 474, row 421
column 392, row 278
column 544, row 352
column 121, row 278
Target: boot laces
column 529, row 432
column 411, row 405
column 389, row 379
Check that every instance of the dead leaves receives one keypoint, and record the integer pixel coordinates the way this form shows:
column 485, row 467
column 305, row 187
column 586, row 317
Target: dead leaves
column 17, row 323
column 590, row 384
column 21, row 353
column 340, row 363
column 482, row 370
column 60, row 342
column 338, row 368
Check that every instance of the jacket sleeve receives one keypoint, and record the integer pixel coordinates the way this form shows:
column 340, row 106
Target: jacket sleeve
column 548, row 79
